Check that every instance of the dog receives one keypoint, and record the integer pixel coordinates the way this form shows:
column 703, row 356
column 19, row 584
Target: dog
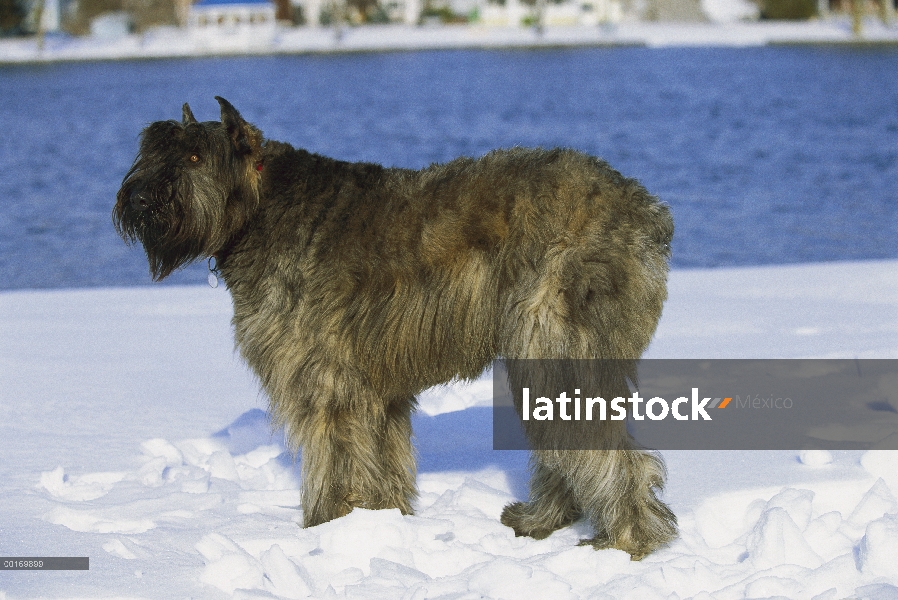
column 356, row 287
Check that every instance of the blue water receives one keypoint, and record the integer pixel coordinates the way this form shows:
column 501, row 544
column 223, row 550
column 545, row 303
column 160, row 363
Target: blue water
column 765, row 155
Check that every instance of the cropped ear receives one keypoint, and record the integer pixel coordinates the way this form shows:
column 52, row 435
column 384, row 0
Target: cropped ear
column 187, row 115
column 238, row 129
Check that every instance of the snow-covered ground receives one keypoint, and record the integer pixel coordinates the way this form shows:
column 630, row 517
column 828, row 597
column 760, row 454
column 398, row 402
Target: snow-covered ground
column 171, row 42
column 132, row 434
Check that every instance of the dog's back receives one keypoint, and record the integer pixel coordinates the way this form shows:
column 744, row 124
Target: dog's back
column 432, row 274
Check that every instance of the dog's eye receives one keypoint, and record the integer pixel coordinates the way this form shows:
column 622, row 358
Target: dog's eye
column 194, row 158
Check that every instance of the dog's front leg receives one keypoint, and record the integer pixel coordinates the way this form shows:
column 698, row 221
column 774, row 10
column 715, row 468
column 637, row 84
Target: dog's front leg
column 357, row 455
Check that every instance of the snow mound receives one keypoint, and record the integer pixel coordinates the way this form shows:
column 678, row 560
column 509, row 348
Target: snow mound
column 815, row 458
column 231, row 501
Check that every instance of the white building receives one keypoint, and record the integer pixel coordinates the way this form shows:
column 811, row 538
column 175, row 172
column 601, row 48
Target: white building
column 50, row 16
column 570, row 12
column 583, row 12
column 232, row 23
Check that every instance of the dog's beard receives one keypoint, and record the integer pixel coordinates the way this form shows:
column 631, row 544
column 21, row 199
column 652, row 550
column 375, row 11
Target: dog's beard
column 171, row 237
column 169, row 249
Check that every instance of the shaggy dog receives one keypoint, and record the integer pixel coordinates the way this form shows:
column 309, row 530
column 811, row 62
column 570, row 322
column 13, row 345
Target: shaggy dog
column 356, row 286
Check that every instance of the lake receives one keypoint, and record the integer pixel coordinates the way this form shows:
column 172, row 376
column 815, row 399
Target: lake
column 765, row 155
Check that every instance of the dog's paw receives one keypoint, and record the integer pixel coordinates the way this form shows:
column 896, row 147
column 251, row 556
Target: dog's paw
column 523, row 518
column 639, row 540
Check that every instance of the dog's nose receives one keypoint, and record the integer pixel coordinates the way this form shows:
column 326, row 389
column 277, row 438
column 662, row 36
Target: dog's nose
column 140, row 199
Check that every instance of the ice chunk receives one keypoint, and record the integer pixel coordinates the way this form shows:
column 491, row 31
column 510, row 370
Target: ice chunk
column 283, row 577
column 878, row 549
column 883, row 464
column 877, row 502
column 777, row 540
column 79, row 488
column 797, row 503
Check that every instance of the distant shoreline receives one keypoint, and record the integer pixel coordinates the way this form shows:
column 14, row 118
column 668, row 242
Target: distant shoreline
column 178, row 43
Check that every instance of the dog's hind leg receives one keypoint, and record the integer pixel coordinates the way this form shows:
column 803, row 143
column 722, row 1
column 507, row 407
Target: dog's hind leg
column 580, row 467
column 536, row 327
column 617, row 489
column 551, row 506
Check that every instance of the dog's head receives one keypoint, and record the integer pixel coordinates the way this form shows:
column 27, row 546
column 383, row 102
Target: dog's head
column 191, row 189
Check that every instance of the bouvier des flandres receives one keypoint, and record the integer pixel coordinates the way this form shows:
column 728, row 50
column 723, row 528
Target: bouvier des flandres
column 356, row 286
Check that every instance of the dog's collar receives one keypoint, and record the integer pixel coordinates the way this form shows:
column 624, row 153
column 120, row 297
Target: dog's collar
column 213, row 271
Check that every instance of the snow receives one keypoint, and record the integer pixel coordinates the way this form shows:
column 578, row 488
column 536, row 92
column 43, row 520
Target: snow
column 730, row 25
column 131, row 433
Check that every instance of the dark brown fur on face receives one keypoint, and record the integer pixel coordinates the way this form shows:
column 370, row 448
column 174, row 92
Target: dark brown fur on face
column 356, row 287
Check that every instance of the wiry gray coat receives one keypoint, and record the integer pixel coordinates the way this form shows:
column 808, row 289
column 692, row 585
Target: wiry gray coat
column 356, row 287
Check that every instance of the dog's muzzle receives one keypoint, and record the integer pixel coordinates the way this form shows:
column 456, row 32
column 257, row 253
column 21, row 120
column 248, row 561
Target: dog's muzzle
column 140, row 199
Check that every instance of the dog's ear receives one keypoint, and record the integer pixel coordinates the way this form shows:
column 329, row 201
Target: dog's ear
column 187, row 115
column 238, row 129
